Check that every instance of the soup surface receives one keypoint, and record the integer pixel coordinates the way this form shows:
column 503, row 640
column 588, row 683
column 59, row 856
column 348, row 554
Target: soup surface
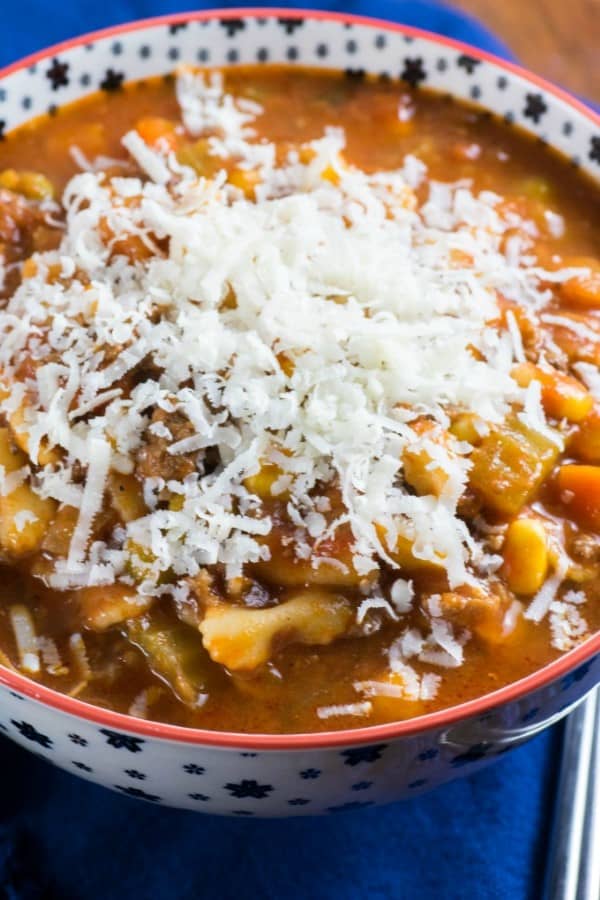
column 300, row 401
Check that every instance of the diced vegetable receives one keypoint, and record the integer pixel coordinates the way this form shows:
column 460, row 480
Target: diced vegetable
column 578, row 336
column 418, row 472
column 244, row 639
column 24, row 516
column 464, row 428
column 563, row 397
column 141, row 566
column 585, row 442
column 262, row 482
column 579, row 488
column 583, row 290
column 32, row 185
column 175, row 653
column 245, row 179
column 525, row 556
column 198, row 157
column 158, row 132
column 510, row 464
column 20, row 435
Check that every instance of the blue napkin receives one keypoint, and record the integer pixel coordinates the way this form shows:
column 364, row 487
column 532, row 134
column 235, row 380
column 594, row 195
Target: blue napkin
column 480, row 837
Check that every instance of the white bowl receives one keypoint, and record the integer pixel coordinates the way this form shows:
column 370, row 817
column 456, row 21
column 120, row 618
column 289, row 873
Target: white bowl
column 269, row 775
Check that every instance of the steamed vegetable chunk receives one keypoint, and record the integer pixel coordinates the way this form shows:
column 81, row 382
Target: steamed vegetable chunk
column 175, row 654
column 510, row 464
column 24, row 515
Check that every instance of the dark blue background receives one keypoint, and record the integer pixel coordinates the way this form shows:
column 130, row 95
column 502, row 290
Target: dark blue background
column 480, row 838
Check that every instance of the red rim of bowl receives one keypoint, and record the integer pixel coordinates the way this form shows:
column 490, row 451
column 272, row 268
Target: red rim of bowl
column 372, row 733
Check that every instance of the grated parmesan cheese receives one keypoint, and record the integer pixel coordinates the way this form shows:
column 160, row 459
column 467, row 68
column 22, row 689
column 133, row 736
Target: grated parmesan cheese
column 344, row 709
column 347, row 279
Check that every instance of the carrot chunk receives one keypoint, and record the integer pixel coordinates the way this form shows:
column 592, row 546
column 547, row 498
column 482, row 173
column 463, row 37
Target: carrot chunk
column 583, row 290
column 579, row 488
column 585, row 442
column 158, row 132
column 563, row 397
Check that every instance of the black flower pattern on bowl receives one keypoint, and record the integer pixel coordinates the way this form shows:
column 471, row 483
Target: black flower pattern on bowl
column 248, row 787
column 309, row 774
column 413, row 72
column 468, row 63
column 193, row 769
column 28, row 731
column 122, row 741
column 357, row 755
column 112, row 80
column 57, row 74
column 535, row 107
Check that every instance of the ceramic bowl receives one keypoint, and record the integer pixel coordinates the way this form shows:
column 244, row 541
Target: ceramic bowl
column 264, row 775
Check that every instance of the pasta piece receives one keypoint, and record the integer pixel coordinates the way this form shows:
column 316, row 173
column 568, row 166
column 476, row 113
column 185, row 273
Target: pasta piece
column 126, row 497
column 419, row 472
column 402, row 553
column 58, row 539
column 107, row 605
column 244, row 639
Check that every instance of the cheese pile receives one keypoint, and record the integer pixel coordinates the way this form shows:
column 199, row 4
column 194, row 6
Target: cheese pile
column 337, row 271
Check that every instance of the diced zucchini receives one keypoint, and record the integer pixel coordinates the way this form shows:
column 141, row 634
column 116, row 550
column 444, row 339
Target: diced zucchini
column 175, row 653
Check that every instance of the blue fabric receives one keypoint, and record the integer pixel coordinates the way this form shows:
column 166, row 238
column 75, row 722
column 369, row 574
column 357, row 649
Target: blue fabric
column 480, row 837
column 28, row 25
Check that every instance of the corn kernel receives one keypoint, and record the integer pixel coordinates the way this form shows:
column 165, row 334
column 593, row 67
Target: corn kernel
column 262, row 482
column 525, row 555
column 464, row 428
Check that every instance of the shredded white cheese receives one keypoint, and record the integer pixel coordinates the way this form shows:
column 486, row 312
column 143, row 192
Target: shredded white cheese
column 308, row 328
column 344, row 709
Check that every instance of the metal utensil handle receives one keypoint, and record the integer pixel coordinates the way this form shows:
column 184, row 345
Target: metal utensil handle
column 574, row 844
column 589, row 877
